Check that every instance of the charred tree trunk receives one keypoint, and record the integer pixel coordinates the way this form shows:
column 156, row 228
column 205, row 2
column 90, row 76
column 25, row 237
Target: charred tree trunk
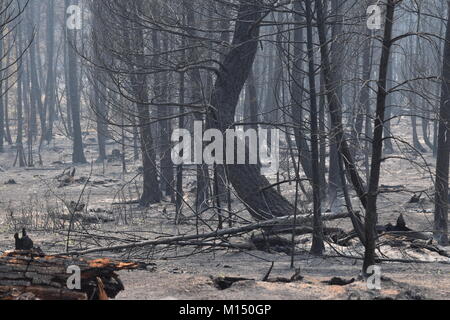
column 167, row 172
column 335, row 112
column 377, row 145
column 336, row 59
column 262, row 201
column 179, row 169
column 297, row 97
column 2, row 106
column 101, row 113
column 19, row 108
column 364, row 95
column 68, row 103
column 99, row 86
column 8, row 136
column 318, row 246
column 5, row 97
column 388, row 147
column 202, row 193
column 416, row 48
column 35, row 93
column 322, row 138
column 50, row 91
column 73, row 90
column 139, row 82
column 443, row 152
column 30, row 115
column 426, row 129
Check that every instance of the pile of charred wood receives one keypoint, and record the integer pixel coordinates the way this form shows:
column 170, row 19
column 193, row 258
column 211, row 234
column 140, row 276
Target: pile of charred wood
column 28, row 274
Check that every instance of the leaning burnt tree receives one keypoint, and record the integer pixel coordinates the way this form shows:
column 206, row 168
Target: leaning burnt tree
column 368, row 198
column 262, row 201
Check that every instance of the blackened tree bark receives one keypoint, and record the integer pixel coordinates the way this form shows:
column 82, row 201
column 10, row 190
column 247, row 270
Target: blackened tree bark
column 73, row 91
column 98, row 79
column 270, row 98
column 35, row 89
column 318, row 246
column 179, row 169
column 337, row 50
column 388, row 147
column 438, row 89
column 414, row 100
column 19, row 104
column 224, row 190
column 50, row 94
column 254, row 190
column 2, row 107
column 335, row 111
column 167, row 172
column 365, row 103
column 426, row 128
column 139, row 81
column 364, row 95
column 297, row 95
column 252, row 106
column 68, row 103
column 377, row 144
column 30, row 114
column 322, row 138
column 443, row 152
column 202, row 193
column 5, row 97
column 101, row 114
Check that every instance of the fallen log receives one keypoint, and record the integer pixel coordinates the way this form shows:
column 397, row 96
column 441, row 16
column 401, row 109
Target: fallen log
column 39, row 293
column 392, row 189
column 400, row 230
column 26, row 275
column 433, row 248
column 267, row 225
column 86, row 218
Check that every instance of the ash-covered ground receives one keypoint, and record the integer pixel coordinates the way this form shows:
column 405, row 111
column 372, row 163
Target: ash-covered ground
column 39, row 199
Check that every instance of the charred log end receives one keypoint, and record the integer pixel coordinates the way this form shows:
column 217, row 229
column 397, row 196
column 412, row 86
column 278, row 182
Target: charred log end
column 25, row 275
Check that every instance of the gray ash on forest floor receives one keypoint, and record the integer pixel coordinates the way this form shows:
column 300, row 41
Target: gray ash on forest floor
column 37, row 193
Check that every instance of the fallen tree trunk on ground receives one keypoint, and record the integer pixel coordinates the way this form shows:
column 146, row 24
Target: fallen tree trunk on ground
column 87, row 218
column 27, row 276
column 269, row 225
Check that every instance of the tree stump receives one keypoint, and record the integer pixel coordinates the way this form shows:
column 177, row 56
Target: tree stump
column 32, row 275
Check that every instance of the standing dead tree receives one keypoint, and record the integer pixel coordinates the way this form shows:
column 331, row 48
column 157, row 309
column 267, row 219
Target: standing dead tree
column 443, row 153
column 262, row 202
column 377, row 144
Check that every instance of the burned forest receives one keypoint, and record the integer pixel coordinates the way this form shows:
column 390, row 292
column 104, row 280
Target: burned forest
column 224, row 150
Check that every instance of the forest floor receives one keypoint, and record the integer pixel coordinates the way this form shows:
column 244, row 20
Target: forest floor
column 36, row 199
